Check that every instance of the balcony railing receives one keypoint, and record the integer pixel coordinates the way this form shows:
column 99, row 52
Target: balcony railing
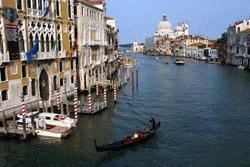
column 4, row 58
column 94, row 43
column 45, row 55
column 62, row 54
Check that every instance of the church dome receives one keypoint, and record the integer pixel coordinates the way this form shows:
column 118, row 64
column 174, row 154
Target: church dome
column 164, row 27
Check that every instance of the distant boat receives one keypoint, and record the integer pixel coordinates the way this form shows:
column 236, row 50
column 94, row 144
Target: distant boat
column 179, row 61
column 241, row 68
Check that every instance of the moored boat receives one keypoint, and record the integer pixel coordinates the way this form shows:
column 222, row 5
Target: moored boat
column 57, row 120
column 53, row 131
column 138, row 138
column 179, row 61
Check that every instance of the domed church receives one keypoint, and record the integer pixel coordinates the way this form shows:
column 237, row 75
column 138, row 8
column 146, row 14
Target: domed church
column 164, row 29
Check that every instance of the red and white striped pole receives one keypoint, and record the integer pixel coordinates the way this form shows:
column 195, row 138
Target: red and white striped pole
column 76, row 104
column 115, row 93
column 23, row 106
column 97, row 88
column 104, row 94
column 90, row 102
column 58, row 94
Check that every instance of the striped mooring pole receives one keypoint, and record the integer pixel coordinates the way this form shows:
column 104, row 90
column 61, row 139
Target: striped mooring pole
column 90, row 102
column 115, row 93
column 58, row 94
column 76, row 104
column 23, row 106
column 104, row 94
column 97, row 88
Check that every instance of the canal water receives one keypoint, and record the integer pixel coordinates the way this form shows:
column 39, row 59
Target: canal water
column 205, row 115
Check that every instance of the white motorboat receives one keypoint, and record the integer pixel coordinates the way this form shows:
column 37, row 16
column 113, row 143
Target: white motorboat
column 53, row 131
column 179, row 61
column 56, row 120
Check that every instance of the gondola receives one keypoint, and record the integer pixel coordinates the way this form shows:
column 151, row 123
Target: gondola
column 129, row 141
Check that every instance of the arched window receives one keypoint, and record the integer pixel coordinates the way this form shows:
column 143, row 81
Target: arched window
column 20, row 42
column 34, row 4
column 40, row 5
column 47, row 43
column 52, row 43
column 31, row 40
column 59, row 42
column 42, row 43
column 57, row 8
column 69, row 8
column 29, row 3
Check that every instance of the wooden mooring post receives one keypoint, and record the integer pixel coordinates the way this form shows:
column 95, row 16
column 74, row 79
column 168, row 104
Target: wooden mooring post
column 14, row 120
column 137, row 78
column 4, row 123
column 67, row 108
column 133, row 79
column 33, row 125
column 24, row 129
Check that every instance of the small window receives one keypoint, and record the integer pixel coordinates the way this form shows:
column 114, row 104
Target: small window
column 72, row 79
column 238, row 29
column 61, row 66
column 75, row 10
column 2, row 73
column 55, row 82
column 24, row 72
column 248, row 50
column 47, row 118
column 4, row 95
column 19, row 4
column 248, row 23
column 72, row 64
column 237, row 50
column 61, row 82
column 25, row 90
column 33, row 87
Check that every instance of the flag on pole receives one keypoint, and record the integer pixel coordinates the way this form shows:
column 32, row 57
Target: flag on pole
column 33, row 51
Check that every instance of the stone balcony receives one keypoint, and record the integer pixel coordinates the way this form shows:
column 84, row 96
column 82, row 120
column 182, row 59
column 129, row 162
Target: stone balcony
column 4, row 58
column 45, row 55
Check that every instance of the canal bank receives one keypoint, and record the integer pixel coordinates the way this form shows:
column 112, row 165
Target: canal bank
column 204, row 110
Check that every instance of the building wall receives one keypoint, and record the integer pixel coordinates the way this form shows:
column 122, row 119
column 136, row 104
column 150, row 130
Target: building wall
column 32, row 22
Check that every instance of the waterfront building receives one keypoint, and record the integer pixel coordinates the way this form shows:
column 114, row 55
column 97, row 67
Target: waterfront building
column 112, row 37
column 37, row 51
column 162, row 40
column 137, row 48
column 92, row 42
column 238, row 43
column 184, row 45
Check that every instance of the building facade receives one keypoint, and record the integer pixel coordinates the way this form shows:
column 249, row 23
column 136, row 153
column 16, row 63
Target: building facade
column 238, row 43
column 92, row 42
column 47, row 27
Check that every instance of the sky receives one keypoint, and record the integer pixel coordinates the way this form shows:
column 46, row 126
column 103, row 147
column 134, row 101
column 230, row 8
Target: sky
column 137, row 19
